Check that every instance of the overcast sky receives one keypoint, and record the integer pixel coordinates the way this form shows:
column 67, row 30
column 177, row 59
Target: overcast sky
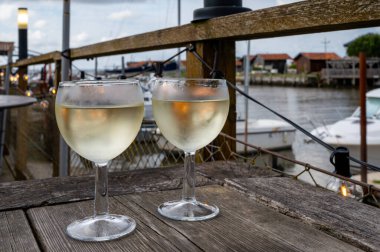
column 95, row 21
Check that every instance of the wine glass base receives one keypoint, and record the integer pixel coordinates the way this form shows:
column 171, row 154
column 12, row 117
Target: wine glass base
column 101, row 227
column 188, row 210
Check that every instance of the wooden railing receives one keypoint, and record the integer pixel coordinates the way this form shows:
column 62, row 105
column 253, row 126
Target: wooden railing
column 221, row 33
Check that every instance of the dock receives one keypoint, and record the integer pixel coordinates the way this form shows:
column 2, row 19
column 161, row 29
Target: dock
column 260, row 211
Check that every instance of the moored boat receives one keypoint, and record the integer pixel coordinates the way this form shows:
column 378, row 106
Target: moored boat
column 265, row 133
column 346, row 132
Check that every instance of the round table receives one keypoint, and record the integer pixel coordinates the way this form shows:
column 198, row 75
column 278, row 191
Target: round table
column 13, row 101
column 6, row 102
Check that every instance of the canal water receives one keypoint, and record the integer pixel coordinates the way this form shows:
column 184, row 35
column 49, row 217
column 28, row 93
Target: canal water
column 308, row 107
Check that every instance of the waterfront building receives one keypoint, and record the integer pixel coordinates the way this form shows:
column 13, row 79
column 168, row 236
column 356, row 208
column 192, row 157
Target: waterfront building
column 313, row 62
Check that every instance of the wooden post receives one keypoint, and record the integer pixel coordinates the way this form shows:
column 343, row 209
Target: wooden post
column 363, row 116
column 226, row 64
column 21, row 171
column 55, row 135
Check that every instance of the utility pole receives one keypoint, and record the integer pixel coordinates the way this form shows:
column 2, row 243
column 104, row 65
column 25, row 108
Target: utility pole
column 325, row 42
column 63, row 148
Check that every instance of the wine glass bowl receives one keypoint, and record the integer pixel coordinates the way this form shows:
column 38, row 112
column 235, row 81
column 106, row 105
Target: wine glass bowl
column 190, row 113
column 99, row 120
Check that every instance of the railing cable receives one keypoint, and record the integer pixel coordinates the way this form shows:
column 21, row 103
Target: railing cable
column 218, row 74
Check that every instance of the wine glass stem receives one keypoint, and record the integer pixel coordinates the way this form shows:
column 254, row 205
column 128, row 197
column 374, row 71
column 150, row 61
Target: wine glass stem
column 101, row 189
column 188, row 187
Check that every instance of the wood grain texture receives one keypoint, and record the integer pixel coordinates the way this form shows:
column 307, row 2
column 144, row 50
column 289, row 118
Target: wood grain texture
column 292, row 19
column 298, row 18
column 242, row 225
column 344, row 218
column 40, row 59
column 15, row 233
column 25, row 194
column 50, row 224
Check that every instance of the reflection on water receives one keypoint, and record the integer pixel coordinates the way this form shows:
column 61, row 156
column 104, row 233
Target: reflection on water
column 308, row 107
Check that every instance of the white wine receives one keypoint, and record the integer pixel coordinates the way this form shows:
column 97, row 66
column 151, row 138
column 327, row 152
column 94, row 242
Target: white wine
column 190, row 125
column 99, row 133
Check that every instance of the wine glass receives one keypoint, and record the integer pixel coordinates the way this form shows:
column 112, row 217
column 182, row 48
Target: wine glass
column 99, row 120
column 190, row 113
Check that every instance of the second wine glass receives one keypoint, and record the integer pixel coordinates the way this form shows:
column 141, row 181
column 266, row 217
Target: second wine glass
column 190, row 113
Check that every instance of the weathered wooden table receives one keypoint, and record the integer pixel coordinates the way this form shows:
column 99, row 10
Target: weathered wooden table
column 260, row 211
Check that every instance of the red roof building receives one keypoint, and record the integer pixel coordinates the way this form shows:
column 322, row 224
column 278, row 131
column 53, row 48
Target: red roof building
column 269, row 61
column 272, row 61
column 313, row 62
column 273, row 56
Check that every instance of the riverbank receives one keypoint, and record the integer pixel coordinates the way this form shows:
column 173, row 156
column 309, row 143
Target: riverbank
column 299, row 80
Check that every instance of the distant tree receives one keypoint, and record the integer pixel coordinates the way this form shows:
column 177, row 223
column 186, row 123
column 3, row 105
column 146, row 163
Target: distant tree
column 369, row 44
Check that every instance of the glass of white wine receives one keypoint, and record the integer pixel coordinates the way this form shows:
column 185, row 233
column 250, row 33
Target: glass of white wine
column 190, row 113
column 99, row 120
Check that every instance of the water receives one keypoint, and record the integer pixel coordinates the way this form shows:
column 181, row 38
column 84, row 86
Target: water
column 304, row 106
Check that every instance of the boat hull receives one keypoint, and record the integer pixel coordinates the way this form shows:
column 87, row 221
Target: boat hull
column 273, row 140
column 264, row 133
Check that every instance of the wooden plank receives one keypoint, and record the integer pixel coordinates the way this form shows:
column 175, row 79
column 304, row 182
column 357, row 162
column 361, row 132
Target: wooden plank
column 25, row 194
column 293, row 19
column 50, row 57
column 298, row 18
column 22, row 144
column 344, row 218
column 219, row 171
column 242, row 225
column 15, row 232
column 50, row 224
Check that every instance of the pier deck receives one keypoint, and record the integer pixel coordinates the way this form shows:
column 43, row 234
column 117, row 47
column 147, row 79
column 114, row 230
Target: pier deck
column 260, row 211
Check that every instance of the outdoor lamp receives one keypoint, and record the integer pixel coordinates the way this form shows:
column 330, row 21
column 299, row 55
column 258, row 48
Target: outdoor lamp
column 218, row 8
column 29, row 93
column 52, row 91
column 22, row 21
column 339, row 158
column 22, row 18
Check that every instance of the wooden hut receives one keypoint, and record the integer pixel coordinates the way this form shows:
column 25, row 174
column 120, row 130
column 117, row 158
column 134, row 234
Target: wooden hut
column 313, row 62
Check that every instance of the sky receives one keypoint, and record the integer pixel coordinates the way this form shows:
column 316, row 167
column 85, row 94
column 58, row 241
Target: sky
column 93, row 21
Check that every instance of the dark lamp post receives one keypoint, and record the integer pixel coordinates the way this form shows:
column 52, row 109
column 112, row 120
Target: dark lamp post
column 22, row 22
column 218, row 8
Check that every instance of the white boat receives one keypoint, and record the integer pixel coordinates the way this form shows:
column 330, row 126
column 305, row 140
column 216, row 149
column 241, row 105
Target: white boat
column 346, row 132
column 265, row 133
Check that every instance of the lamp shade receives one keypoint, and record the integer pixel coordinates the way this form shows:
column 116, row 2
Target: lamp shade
column 22, row 18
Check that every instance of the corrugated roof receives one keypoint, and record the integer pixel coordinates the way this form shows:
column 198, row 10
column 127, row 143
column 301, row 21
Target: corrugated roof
column 318, row 56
